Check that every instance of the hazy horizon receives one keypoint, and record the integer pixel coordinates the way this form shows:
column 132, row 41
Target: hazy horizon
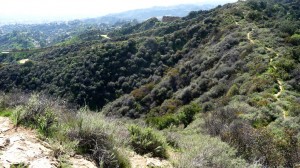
column 18, row 11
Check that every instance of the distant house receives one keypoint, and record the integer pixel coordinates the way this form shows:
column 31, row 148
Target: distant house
column 169, row 18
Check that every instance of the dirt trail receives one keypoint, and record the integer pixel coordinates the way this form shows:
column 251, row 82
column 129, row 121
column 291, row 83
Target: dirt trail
column 20, row 146
column 249, row 38
column 280, row 90
column 236, row 23
column 23, row 61
column 138, row 161
column 280, row 83
column 105, row 36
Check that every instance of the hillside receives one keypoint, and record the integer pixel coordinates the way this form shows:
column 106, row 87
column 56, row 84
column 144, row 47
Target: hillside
column 31, row 36
column 217, row 88
column 143, row 14
column 24, row 37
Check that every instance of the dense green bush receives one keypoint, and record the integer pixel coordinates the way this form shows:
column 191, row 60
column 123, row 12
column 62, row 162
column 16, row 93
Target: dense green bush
column 96, row 138
column 295, row 39
column 5, row 113
column 38, row 113
column 255, row 140
column 183, row 117
column 254, row 16
column 73, row 131
column 234, row 90
column 296, row 53
column 201, row 150
column 145, row 140
column 162, row 122
column 187, row 114
column 288, row 27
column 46, row 123
column 97, row 144
column 257, row 5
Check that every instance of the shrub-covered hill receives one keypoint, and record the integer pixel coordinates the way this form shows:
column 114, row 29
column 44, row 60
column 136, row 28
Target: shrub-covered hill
column 239, row 62
column 23, row 37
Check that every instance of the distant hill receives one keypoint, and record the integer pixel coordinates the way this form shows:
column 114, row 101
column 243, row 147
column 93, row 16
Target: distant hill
column 21, row 36
column 28, row 36
column 144, row 14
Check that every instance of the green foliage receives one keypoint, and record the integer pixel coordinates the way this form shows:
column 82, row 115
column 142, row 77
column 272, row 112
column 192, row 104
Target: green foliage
column 70, row 132
column 296, row 54
column 97, row 144
column 254, row 16
column 201, row 150
column 22, row 37
column 260, row 123
column 6, row 113
column 234, row 90
column 257, row 5
column 264, row 143
column 19, row 165
column 141, row 92
column 15, row 40
column 122, row 158
column 295, row 39
column 37, row 114
column 46, row 123
column 205, row 58
column 98, row 138
column 294, row 109
column 16, row 115
column 145, row 140
column 288, row 27
column 169, row 106
column 285, row 66
column 162, row 122
column 172, row 138
column 185, row 116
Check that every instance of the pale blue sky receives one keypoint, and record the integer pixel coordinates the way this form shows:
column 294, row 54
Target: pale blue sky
column 82, row 8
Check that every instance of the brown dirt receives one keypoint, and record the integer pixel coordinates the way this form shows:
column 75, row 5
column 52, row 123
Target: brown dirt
column 249, row 38
column 138, row 161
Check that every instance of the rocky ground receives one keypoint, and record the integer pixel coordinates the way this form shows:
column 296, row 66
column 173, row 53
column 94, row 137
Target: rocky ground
column 138, row 161
column 21, row 147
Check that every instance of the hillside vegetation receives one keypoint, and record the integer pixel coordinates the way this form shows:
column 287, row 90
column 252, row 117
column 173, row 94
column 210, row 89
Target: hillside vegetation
column 217, row 88
column 22, row 37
